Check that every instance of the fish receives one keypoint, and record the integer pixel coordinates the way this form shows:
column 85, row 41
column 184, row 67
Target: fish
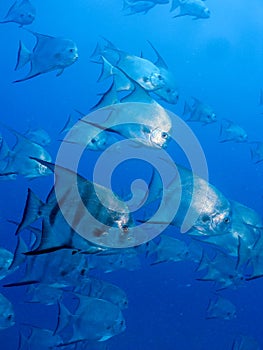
column 196, row 8
column 169, row 92
column 43, row 293
column 21, row 12
column 138, row 69
column 57, row 269
column 39, row 136
column 221, row 308
column 202, row 210
column 244, row 342
column 127, row 259
column 49, row 54
column 63, row 209
column 6, row 258
column 256, row 150
column 40, row 338
column 231, row 131
column 94, row 319
column 96, row 288
column 199, row 112
column 18, row 159
column 147, row 124
column 7, row 315
column 169, row 249
column 137, row 6
column 223, row 270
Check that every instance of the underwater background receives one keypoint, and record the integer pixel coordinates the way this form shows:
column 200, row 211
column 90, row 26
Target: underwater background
column 217, row 60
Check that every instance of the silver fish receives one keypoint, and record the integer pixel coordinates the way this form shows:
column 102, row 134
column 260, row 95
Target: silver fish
column 7, row 316
column 200, row 112
column 231, row 131
column 49, row 53
column 221, row 308
column 21, row 12
column 196, row 8
column 94, row 319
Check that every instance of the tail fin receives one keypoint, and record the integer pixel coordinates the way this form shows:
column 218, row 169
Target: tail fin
column 32, row 211
column 64, row 318
column 23, row 56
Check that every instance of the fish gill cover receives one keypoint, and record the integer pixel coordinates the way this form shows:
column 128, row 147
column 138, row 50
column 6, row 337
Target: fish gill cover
column 131, row 175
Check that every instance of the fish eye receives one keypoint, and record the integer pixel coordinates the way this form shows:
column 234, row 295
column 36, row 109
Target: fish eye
column 10, row 317
column 205, row 218
column 164, row 135
column 125, row 228
column 71, row 50
column 227, row 220
column 145, row 79
column 168, row 90
column 160, row 77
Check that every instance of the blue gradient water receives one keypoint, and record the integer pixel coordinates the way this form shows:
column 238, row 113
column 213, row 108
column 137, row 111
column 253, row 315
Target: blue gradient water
column 219, row 61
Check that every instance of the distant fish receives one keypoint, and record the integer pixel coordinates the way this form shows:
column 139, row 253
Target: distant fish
column 49, row 54
column 39, row 136
column 199, row 112
column 169, row 249
column 6, row 258
column 195, row 8
column 231, row 131
column 96, row 288
column 39, row 338
column 7, row 316
column 21, row 12
column 221, row 308
column 94, row 319
column 19, row 161
column 256, row 149
column 244, row 342
column 44, row 294
column 137, row 6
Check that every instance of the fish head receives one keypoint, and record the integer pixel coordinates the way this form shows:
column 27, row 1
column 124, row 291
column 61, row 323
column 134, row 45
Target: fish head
column 205, row 13
column 242, row 137
column 208, row 115
column 159, row 138
column 99, row 142
column 168, row 94
column 66, row 53
column 7, row 318
column 215, row 212
column 156, row 80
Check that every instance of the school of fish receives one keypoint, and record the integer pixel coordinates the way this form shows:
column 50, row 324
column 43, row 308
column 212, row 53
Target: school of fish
column 57, row 262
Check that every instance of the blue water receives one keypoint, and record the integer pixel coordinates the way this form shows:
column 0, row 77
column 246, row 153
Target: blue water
column 219, row 61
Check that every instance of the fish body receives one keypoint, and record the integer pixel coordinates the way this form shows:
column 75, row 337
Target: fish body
column 94, row 319
column 6, row 258
column 195, row 8
column 221, row 308
column 95, row 288
column 7, row 316
column 138, row 6
column 139, row 69
column 202, row 207
column 145, row 123
column 231, row 131
column 49, row 53
column 200, row 112
column 74, row 214
column 256, row 151
column 21, row 12
column 19, row 158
